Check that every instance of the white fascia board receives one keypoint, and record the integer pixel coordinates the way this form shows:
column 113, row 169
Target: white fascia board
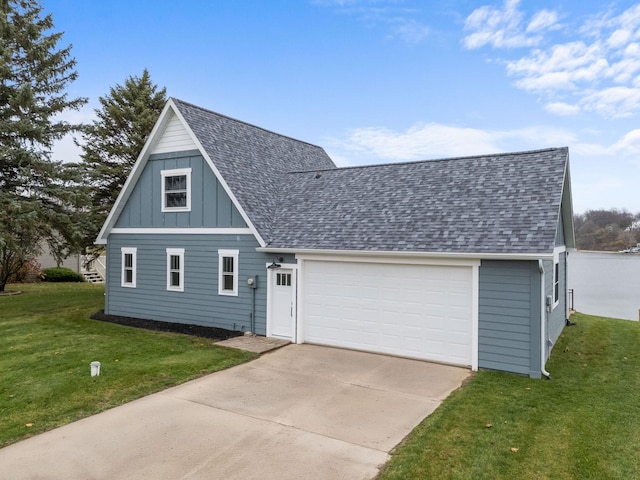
column 475, row 316
column 309, row 253
column 136, row 171
column 222, row 181
column 181, row 231
column 567, row 209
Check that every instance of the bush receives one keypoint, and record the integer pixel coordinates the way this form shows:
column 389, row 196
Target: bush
column 62, row 274
column 29, row 273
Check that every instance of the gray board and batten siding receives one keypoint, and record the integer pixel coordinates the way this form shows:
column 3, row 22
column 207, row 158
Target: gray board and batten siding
column 211, row 207
column 199, row 303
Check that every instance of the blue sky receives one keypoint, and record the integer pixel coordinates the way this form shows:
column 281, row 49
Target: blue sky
column 377, row 81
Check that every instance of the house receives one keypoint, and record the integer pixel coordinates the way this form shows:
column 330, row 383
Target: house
column 461, row 261
column 48, row 260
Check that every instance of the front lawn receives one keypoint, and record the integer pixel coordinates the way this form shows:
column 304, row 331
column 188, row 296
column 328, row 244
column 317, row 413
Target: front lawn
column 47, row 343
column 584, row 423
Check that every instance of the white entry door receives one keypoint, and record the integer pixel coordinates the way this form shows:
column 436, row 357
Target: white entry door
column 282, row 305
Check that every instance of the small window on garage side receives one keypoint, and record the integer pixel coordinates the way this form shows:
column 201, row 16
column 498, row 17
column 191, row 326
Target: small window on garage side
column 556, row 283
column 228, row 272
column 175, row 269
column 128, row 278
column 176, row 190
column 556, row 276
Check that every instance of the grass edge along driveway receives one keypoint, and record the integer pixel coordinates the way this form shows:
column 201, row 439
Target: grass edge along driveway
column 48, row 343
column 583, row 423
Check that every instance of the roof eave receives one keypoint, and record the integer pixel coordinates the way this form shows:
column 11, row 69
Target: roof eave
column 567, row 209
column 410, row 253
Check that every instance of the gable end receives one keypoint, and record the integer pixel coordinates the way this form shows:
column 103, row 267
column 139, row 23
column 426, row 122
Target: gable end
column 174, row 138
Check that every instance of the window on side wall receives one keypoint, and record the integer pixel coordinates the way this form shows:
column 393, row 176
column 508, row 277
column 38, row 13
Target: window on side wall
column 128, row 277
column 175, row 269
column 228, row 272
column 176, row 190
column 556, row 277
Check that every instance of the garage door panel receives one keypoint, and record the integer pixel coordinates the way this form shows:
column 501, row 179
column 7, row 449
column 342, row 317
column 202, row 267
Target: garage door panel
column 410, row 310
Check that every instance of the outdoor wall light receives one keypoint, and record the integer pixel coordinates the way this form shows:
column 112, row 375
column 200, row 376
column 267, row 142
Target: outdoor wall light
column 275, row 265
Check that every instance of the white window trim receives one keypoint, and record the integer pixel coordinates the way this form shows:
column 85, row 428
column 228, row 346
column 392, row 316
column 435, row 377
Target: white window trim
column 123, row 278
column 556, row 261
column 180, row 253
column 173, row 173
column 235, row 254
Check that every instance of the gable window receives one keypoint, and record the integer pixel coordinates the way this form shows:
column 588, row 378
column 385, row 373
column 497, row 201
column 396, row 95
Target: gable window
column 176, row 190
column 128, row 277
column 228, row 272
column 175, row 269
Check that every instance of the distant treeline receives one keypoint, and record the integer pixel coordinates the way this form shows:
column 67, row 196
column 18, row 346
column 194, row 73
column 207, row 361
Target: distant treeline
column 609, row 230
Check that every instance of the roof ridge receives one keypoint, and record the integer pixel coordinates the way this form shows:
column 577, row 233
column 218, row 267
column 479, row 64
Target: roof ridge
column 446, row 159
column 243, row 122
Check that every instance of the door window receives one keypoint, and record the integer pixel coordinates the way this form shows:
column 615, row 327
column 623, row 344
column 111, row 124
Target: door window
column 283, row 279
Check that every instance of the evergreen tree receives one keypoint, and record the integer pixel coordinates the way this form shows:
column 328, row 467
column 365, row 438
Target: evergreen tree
column 112, row 143
column 36, row 205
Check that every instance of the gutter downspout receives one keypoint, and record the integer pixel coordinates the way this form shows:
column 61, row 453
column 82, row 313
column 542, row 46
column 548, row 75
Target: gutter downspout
column 543, row 327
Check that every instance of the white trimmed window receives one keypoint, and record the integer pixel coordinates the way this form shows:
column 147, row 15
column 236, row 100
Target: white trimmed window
column 176, row 190
column 175, row 269
column 228, row 272
column 556, row 275
column 128, row 278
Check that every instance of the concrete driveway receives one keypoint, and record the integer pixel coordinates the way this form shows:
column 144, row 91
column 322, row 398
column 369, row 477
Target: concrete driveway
column 302, row 411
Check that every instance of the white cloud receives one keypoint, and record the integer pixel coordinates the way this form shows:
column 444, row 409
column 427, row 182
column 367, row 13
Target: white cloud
column 559, row 68
column 596, row 70
column 629, row 143
column 505, row 27
column 418, row 142
column 433, row 140
column 562, row 109
column 66, row 150
column 543, row 20
column 619, row 38
column 615, row 187
column 614, row 102
column 550, row 81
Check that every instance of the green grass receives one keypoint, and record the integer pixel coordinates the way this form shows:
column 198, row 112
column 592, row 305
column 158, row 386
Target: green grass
column 582, row 424
column 47, row 343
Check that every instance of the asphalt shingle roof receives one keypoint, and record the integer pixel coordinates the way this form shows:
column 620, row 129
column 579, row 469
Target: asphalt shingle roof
column 506, row 203
column 297, row 199
column 251, row 160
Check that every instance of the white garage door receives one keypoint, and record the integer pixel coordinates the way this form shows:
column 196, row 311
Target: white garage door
column 416, row 311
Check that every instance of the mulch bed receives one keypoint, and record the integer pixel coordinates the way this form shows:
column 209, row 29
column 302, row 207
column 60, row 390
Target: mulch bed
column 195, row 330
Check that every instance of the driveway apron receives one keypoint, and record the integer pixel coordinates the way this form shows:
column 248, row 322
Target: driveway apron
column 302, row 411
